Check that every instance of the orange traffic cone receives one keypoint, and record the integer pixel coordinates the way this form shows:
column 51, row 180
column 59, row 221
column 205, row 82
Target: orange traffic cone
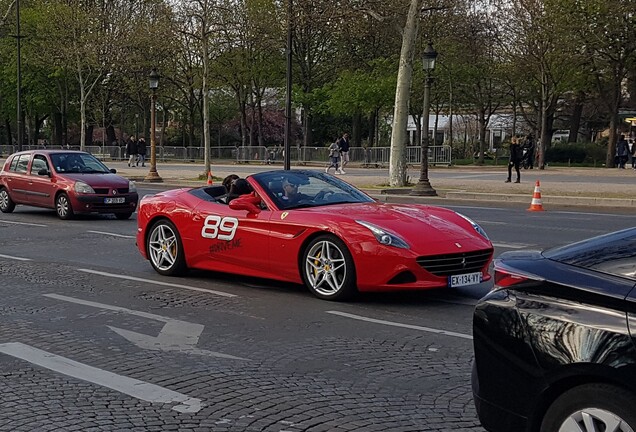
column 209, row 177
column 536, row 204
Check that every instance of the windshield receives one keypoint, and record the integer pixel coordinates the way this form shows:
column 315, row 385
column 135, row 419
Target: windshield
column 77, row 163
column 305, row 188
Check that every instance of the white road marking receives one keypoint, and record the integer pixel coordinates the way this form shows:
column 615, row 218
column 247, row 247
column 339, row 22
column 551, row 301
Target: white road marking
column 151, row 281
column 108, row 307
column 176, row 335
column 396, row 324
column 15, row 258
column 22, row 223
column 511, row 245
column 111, row 234
column 129, row 386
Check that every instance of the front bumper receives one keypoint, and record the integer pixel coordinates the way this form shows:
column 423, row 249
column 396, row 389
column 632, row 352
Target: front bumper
column 97, row 204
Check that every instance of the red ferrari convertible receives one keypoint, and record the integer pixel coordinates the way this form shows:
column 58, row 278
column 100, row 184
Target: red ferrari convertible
column 308, row 227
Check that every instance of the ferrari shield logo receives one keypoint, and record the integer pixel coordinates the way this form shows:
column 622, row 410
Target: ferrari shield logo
column 284, row 215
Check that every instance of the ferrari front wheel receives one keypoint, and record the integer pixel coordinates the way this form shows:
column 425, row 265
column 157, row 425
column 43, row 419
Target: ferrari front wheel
column 165, row 249
column 328, row 269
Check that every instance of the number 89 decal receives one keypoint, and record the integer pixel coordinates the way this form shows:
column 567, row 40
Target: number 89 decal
column 216, row 227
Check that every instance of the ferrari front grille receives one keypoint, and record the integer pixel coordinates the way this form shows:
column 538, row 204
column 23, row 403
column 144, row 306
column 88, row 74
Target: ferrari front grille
column 454, row 264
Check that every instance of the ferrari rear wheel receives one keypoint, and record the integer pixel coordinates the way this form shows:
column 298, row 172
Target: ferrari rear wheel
column 328, row 269
column 165, row 249
column 6, row 203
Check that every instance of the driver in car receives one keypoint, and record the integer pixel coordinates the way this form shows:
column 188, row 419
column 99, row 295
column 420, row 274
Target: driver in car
column 290, row 192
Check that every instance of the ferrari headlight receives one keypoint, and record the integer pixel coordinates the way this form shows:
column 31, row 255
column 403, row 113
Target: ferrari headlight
column 81, row 187
column 475, row 225
column 384, row 237
column 132, row 187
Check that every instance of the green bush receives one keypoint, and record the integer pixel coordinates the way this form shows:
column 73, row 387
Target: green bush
column 576, row 153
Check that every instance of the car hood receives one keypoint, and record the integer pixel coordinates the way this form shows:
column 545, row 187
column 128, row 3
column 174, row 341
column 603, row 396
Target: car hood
column 99, row 180
column 419, row 224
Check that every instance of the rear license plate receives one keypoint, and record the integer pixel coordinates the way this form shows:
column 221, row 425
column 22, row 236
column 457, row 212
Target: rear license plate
column 464, row 279
column 118, row 200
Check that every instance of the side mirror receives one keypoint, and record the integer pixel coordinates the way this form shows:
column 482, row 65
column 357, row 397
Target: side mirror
column 246, row 202
column 44, row 172
column 113, row 170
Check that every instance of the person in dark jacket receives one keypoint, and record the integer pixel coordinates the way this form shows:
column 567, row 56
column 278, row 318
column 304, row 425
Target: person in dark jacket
column 515, row 159
column 141, row 151
column 622, row 152
column 131, row 151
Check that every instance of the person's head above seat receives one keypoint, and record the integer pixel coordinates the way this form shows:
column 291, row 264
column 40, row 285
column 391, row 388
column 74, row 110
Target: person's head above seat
column 227, row 181
column 290, row 186
column 240, row 186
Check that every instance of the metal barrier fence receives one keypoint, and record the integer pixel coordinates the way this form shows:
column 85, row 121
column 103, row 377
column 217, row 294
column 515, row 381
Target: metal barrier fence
column 367, row 157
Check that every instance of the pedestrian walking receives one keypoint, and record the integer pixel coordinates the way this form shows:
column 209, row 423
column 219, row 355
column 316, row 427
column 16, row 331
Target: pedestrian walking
column 515, row 159
column 131, row 151
column 343, row 143
column 141, row 152
column 334, row 158
column 622, row 152
column 529, row 146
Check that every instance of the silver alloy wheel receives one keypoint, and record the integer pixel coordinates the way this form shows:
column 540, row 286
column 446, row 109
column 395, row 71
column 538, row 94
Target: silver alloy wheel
column 163, row 247
column 4, row 199
column 594, row 420
column 62, row 206
column 326, row 268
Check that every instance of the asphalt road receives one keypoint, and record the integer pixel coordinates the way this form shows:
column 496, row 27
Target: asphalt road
column 91, row 338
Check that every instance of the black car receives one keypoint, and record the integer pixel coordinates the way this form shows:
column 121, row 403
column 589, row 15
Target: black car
column 555, row 347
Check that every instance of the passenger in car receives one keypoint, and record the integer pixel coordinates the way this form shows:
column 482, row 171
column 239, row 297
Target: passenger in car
column 239, row 187
column 227, row 181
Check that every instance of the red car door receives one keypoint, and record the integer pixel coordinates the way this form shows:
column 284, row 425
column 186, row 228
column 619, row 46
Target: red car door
column 228, row 240
column 41, row 187
column 17, row 179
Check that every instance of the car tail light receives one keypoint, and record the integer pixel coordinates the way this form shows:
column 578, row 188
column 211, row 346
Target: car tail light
column 504, row 278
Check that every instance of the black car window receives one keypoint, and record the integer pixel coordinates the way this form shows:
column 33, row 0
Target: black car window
column 613, row 253
column 38, row 163
column 23, row 163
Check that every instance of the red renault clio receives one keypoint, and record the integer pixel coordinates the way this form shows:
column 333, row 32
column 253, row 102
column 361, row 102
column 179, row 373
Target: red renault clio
column 71, row 182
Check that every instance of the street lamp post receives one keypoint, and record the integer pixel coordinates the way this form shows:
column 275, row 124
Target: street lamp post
column 423, row 186
column 153, row 176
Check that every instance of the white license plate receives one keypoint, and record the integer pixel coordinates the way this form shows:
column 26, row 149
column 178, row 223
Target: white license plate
column 118, row 200
column 464, row 279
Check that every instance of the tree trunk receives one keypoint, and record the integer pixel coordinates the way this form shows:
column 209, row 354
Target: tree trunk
column 399, row 134
column 575, row 120
column 481, row 119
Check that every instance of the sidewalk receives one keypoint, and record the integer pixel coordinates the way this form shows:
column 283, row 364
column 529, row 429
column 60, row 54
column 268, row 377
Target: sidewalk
column 559, row 186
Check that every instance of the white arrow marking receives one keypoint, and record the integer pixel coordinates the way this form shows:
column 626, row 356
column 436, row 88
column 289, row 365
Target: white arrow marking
column 130, row 386
column 176, row 335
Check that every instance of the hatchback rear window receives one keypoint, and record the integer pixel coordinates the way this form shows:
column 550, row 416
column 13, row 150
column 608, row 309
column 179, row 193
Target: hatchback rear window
column 613, row 253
